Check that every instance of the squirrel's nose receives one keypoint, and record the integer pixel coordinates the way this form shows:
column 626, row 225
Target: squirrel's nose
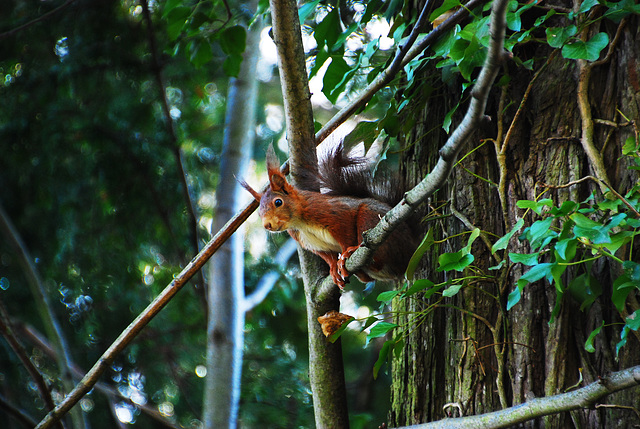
column 267, row 225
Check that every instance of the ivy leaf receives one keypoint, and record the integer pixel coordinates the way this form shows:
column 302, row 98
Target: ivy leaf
column 588, row 345
column 586, row 50
column 383, row 356
column 420, row 285
column 558, row 36
column 503, row 242
column 587, row 5
column 621, row 9
column 451, row 290
column 524, row 258
column 536, row 273
column 622, row 286
column 536, row 206
column 514, row 298
column 427, row 242
column 457, row 261
column 387, row 296
column 380, row 329
column 632, row 324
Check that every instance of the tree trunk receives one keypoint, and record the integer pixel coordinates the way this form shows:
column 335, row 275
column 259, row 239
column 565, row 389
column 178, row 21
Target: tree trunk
column 225, row 337
column 474, row 356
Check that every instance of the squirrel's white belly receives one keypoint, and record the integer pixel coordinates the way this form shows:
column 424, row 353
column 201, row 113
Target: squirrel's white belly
column 317, row 238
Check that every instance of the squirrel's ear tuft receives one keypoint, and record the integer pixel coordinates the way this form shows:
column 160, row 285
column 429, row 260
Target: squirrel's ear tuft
column 252, row 191
column 273, row 163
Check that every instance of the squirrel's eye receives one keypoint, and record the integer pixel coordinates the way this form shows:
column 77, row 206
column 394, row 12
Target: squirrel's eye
column 277, row 202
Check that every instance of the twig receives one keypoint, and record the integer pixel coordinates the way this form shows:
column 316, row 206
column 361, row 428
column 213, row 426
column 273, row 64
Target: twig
column 19, row 350
column 36, row 20
column 604, row 185
column 16, row 413
column 145, row 317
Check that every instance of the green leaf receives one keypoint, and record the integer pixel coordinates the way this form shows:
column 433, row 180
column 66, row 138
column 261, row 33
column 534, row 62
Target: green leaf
column 587, row 5
column 307, row 9
column 452, row 290
column 457, row 261
column 632, row 270
column 233, row 40
column 632, row 324
column 231, row 65
column 566, row 248
column 333, row 80
column 526, row 259
column 447, row 5
column 328, row 30
column 537, row 272
column 176, row 19
column 588, row 345
column 622, row 286
column 585, row 289
column 630, row 146
column 586, row 50
column 558, row 36
column 514, row 298
column 383, row 356
column 539, row 233
column 536, row 206
column 621, row 9
column 503, row 242
column 427, row 242
column 420, row 285
column 202, row 54
column 380, row 329
column 387, row 296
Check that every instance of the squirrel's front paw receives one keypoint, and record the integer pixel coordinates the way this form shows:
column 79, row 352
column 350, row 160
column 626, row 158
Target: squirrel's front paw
column 342, row 260
column 337, row 277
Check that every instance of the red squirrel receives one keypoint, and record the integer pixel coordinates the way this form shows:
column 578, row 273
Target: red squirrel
column 330, row 223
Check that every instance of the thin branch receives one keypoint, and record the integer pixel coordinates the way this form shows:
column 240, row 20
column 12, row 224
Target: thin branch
column 34, row 337
column 19, row 350
column 16, row 413
column 36, row 20
column 604, row 185
column 125, row 338
column 585, row 397
column 40, row 296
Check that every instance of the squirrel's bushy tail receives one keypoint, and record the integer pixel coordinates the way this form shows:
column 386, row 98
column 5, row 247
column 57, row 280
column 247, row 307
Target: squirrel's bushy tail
column 340, row 173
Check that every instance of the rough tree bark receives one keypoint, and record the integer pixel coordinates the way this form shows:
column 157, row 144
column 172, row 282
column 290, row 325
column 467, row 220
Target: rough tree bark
column 326, row 370
column 485, row 358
